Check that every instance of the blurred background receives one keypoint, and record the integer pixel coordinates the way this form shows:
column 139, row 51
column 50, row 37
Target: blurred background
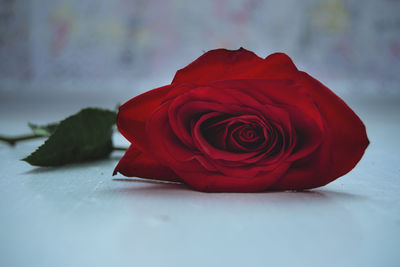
column 131, row 46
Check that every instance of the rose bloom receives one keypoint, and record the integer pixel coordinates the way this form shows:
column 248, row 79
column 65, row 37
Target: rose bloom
column 233, row 122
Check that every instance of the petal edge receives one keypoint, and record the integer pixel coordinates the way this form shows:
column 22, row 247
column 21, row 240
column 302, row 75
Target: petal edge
column 134, row 163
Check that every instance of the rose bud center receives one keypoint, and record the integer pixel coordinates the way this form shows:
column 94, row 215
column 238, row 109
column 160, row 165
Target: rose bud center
column 242, row 134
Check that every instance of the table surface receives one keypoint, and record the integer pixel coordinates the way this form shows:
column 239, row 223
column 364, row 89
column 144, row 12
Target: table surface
column 78, row 215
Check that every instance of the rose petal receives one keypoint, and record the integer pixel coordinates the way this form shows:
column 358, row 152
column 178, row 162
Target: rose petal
column 343, row 145
column 223, row 64
column 167, row 148
column 347, row 131
column 132, row 115
column 309, row 134
column 308, row 172
column 134, row 163
column 215, row 182
column 284, row 92
column 218, row 64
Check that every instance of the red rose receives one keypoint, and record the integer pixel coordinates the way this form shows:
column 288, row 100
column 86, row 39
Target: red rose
column 233, row 122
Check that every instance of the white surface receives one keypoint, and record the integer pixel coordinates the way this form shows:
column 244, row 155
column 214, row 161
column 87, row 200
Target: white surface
column 79, row 216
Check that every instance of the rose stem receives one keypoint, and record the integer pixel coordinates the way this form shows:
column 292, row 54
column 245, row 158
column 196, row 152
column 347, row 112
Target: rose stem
column 120, row 148
column 13, row 140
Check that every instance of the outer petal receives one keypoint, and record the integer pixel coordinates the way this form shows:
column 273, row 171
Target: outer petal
column 216, row 182
column 309, row 172
column 132, row 115
column 341, row 149
column 134, row 163
column 348, row 133
column 223, row 64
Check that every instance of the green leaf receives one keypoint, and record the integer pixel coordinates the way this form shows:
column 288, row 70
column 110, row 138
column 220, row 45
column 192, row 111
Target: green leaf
column 43, row 130
column 83, row 136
